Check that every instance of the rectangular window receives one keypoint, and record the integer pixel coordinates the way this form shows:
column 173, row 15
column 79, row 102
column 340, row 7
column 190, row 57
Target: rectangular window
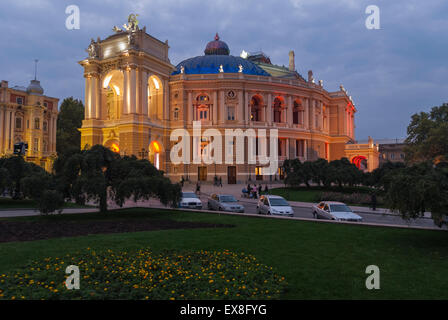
column 300, row 146
column 230, row 113
column 36, row 144
column 19, row 100
column 19, row 123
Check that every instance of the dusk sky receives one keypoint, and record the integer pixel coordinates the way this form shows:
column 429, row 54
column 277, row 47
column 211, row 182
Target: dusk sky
column 391, row 73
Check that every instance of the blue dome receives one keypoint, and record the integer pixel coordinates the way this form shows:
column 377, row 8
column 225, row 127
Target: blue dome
column 210, row 64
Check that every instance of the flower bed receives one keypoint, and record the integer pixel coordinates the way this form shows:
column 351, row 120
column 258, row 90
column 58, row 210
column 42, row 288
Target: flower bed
column 145, row 275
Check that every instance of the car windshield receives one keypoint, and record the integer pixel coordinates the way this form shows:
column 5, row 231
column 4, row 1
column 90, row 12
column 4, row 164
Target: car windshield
column 278, row 202
column 189, row 195
column 227, row 199
column 339, row 208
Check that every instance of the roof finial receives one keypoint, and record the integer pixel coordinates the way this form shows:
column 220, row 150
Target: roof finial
column 35, row 68
column 216, row 36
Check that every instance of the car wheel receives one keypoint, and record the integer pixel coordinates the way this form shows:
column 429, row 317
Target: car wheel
column 209, row 207
column 257, row 210
column 315, row 215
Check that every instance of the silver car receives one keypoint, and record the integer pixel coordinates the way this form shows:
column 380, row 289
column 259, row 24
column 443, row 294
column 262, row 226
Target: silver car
column 224, row 202
column 334, row 211
column 190, row 200
column 274, row 205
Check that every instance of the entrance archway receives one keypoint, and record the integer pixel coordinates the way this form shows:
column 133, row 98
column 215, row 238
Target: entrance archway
column 155, row 149
column 112, row 106
column 155, row 98
column 360, row 162
column 113, row 144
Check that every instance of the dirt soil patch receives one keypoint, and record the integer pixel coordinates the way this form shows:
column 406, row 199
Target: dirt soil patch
column 36, row 230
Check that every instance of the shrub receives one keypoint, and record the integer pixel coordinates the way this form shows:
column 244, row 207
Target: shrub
column 145, row 275
column 351, row 198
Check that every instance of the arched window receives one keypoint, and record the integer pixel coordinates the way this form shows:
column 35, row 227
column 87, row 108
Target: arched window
column 203, row 98
column 278, row 106
column 255, row 109
column 37, row 123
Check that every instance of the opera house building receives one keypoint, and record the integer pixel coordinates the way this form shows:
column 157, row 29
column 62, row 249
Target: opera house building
column 135, row 98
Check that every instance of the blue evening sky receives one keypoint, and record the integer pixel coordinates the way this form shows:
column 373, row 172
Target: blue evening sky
column 391, row 73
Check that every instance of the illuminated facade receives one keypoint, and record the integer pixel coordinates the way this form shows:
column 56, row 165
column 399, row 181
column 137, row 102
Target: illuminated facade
column 27, row 115
column 135, row 98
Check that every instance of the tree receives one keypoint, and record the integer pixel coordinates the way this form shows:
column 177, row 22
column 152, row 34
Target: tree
column 70, row 119
column 422, row 187
column 428, row 135
column 99, row 174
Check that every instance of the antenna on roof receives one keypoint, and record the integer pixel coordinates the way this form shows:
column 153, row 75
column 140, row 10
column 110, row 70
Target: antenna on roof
column 35, row 68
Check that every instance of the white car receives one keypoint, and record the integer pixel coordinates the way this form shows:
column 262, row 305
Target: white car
column 274, row 205
column 189, row 200
column 335, row 211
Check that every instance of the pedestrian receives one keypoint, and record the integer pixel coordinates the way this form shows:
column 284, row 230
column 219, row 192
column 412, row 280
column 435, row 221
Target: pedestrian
column 260, row 188
column 198, row 188
column 182, row 180
column 373, row 199
column 266, row 190
column 254, row 191
column 248, row 188
column 220, row 182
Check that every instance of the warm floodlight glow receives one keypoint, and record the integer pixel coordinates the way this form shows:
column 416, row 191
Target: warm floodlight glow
column 117, row 90
column 122, row 46
column 115, row 148
column 156, row 146
column 156, row 83
column 106, row 81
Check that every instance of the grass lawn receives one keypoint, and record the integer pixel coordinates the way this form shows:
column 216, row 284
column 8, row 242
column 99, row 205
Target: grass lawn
column 318, row 260
column 8, row 203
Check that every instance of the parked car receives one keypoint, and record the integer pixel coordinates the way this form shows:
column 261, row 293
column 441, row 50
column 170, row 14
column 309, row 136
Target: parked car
column 274, row 205
column 189, row 200
column 335, row 211
column 224, row 202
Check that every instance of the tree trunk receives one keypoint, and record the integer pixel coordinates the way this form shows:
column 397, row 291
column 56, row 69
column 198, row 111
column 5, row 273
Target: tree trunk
column 103, row 202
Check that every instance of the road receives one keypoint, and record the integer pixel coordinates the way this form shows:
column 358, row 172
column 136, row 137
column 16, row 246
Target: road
column 305, row 212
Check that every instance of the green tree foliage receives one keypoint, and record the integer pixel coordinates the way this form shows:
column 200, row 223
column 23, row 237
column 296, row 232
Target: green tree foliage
column 422, row 187
column 26, row 180
column 428, row 135
column 340, row 172
column 71, row 114
column 99, row 174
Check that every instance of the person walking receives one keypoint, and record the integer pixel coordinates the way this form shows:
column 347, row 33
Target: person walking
column 260, row 188
column 220, row 182
column 266, row 190
column 198, row 188
column 373, row 199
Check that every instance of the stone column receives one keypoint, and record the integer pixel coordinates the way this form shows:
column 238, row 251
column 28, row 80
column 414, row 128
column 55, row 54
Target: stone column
column 221, row 107
column 247, row 107
column 189, row 110
column 240, row 107
column 2, row 128
column 305, row 149
column 87, row 99
column 144, row 93
column 126, row 97
column 132, row 90
column 321, row 106
column 306, row 113
column 166, row 101
column 8, row 130
column 268, row 118
column 215, row 108
column 290, row 110
column 96, row 97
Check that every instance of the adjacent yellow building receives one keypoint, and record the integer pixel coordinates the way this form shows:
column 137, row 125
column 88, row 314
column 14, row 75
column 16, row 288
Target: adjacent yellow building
column 27, row 115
